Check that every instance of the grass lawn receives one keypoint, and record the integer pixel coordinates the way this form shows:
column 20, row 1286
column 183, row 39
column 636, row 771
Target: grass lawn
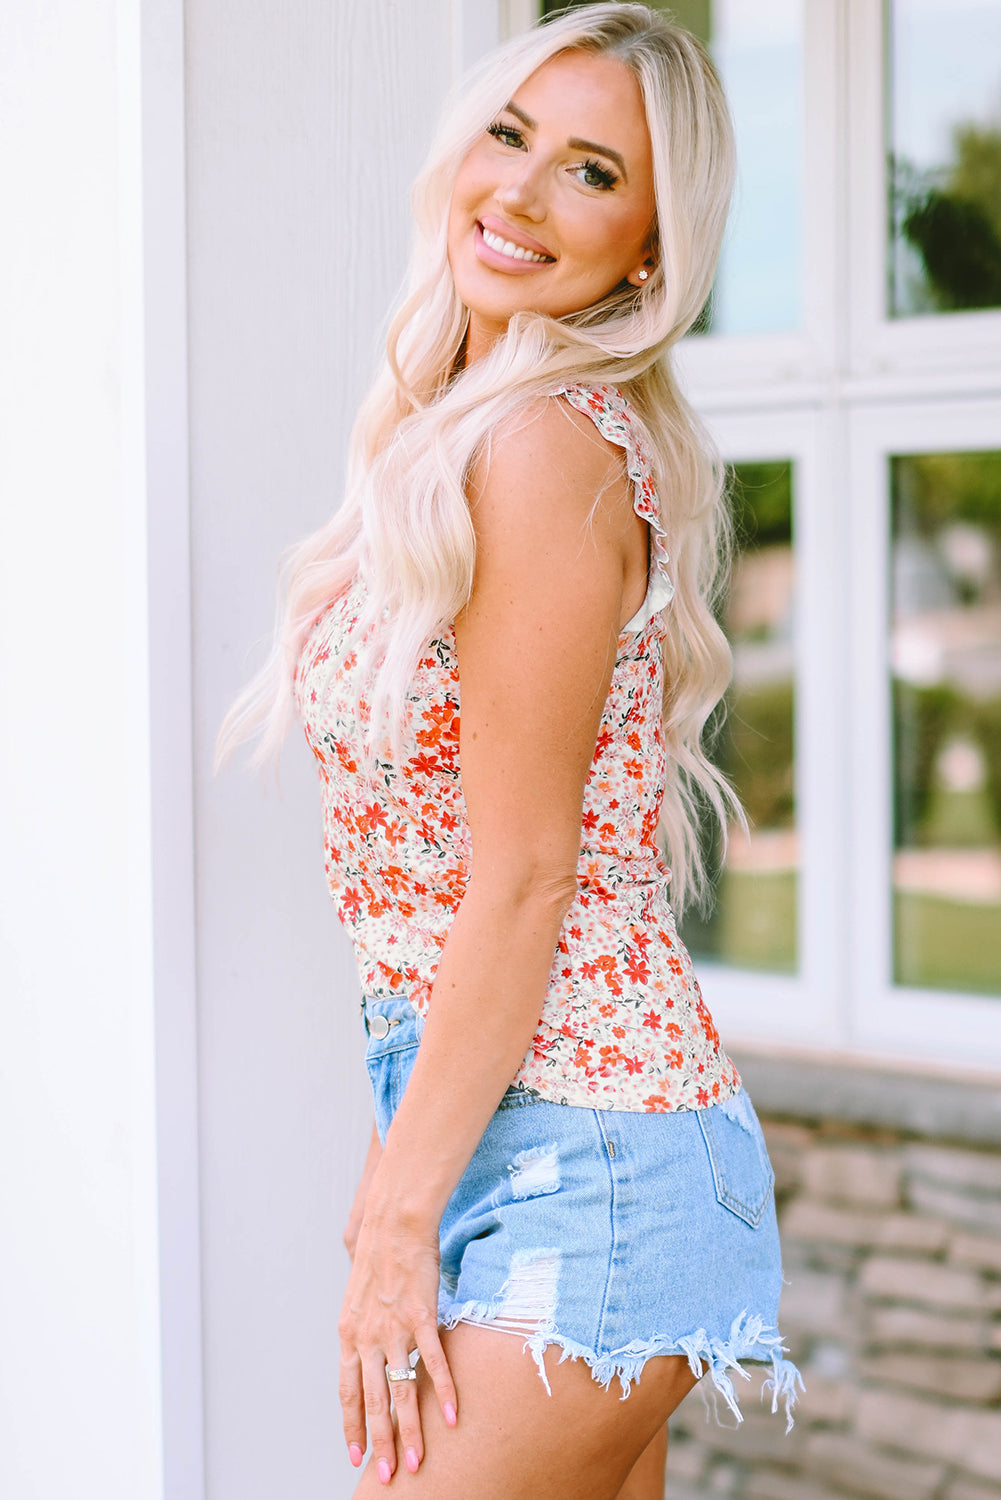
column 753, row 925
column 938, row 944
column 949, row 945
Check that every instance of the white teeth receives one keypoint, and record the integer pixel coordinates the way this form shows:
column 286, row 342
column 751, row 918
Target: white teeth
column 509, row 248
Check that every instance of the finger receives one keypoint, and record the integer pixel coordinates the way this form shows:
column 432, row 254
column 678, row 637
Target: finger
column 378, row 1413
column 436, row 1364
column 352, row 1404
column 408, row 1416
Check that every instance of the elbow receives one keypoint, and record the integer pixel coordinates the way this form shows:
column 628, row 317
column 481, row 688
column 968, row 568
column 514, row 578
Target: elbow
column 557, row 893
column 528, row 887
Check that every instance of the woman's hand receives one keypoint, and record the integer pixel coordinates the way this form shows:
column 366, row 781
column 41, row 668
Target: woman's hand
column 358, row 1206
column 390, row 1308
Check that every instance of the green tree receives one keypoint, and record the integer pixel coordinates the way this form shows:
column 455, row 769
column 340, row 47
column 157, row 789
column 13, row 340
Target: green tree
column 955, row 226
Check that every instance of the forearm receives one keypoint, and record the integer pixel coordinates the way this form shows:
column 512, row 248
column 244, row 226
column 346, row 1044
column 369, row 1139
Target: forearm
column 485, row 1005
column 358, row 1206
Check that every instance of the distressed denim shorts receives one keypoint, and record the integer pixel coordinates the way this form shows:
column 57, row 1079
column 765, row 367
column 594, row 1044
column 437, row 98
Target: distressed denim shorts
column 614, row 1234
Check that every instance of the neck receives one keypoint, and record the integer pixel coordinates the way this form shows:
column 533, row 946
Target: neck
column 481, row 335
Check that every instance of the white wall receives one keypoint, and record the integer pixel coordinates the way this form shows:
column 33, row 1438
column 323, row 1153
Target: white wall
column 257, row 157
column 80, row 1293
column 305, row 124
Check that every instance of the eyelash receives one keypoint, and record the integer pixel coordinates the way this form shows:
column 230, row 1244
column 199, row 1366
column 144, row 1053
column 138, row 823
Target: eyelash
column 607, row 179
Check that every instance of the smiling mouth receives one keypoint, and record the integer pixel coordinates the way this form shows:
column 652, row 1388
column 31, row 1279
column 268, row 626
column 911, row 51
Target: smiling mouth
column 501, row 246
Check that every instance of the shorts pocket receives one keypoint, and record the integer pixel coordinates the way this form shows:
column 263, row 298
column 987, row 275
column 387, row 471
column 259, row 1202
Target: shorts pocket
column 742, row 1172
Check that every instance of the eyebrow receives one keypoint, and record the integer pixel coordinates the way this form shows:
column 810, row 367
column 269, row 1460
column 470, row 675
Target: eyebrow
column 574, row 141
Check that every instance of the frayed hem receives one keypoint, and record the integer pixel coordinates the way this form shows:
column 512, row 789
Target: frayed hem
column 750, row 1339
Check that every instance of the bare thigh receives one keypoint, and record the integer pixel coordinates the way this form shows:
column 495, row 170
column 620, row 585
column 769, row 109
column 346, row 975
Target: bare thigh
column 514, row 1441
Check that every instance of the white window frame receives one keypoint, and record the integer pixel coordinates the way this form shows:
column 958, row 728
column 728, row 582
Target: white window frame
column 872, row 386
column 951, row 353
column 802, row 1009
column 912, row 1023
column 850, row 388
column 794, row 368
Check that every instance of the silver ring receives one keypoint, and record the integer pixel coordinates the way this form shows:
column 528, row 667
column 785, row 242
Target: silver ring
column 407, row 1374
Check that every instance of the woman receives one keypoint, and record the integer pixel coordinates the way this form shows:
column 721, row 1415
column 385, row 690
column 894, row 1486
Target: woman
column 562, row 1150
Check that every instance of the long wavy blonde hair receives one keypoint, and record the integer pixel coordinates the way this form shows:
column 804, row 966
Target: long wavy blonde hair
column 404, row 523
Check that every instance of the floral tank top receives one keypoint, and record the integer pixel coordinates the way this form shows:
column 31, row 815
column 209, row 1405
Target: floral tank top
column 623, row 1024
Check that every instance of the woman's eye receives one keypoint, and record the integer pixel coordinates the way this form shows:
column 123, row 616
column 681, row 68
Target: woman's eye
column 506, row 133
column 596, row 176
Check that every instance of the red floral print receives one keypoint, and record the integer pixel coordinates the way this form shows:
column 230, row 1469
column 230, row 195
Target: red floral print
column 623, row 1024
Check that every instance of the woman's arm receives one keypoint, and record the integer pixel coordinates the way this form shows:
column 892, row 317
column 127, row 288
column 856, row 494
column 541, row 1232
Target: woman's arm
column 537, row 646
column 353, row 1225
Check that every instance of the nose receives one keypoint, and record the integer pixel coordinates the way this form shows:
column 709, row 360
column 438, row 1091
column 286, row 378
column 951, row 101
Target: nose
column 522, row 194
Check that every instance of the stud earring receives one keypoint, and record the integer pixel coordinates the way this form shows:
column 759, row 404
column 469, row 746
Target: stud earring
column 643, row 275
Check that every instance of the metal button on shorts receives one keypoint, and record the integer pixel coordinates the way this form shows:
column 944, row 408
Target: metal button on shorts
column 379, row 1027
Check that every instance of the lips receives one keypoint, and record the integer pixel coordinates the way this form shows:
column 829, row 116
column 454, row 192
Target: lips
column 517, row 238
column 512, row 252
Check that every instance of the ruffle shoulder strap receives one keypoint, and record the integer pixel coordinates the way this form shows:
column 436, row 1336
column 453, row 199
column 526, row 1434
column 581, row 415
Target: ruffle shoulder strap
column 611, row 414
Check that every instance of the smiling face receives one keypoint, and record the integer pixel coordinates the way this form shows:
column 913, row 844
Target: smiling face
column 553, row 207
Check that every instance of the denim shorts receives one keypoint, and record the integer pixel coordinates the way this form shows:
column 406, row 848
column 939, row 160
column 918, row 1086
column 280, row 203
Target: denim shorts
column 613, row 1234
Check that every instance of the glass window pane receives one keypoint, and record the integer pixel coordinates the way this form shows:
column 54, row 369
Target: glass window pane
column 946, row 699
column 753, row 924
column 758, row 47
column 944, row 150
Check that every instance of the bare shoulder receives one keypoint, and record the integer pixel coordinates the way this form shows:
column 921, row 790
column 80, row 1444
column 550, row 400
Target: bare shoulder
column 548, row 463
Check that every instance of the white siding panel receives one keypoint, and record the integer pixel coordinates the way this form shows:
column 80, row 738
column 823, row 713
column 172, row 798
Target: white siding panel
column 306, row 123
column 79, row 1285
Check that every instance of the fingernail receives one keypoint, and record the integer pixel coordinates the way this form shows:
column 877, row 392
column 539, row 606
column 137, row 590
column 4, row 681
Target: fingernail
column 355, row 1454
column 385, row 1473
column 450, row 1416
column 413, row 1462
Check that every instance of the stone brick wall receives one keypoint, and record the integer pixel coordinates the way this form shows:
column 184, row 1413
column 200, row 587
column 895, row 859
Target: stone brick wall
column 892, row 1255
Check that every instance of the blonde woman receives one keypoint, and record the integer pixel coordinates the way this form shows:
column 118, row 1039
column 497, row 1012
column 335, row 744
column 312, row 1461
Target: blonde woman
column 503, row 651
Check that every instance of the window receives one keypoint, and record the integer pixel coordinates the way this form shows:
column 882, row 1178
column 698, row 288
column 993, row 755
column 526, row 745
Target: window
column 864, row 914
column 758, row 50
column 923, row 906
column 943, row 122
column 754, row 922
column 945, row 665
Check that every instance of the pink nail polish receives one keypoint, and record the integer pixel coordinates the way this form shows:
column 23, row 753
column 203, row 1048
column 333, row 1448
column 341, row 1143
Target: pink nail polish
column 355, row 1454
column 413, row 1462
column 385, row 1473
column 450, row 1416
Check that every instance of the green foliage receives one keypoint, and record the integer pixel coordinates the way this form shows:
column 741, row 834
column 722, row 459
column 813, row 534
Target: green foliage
column 931, row 490
column 921, row 717
column 976, row 176
column 961, row 250
column 750, row 737
column 986, row 724
column 756, row 752
column 946, row 945
column 761, row 497
column 955, row 224
column 694, row 15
